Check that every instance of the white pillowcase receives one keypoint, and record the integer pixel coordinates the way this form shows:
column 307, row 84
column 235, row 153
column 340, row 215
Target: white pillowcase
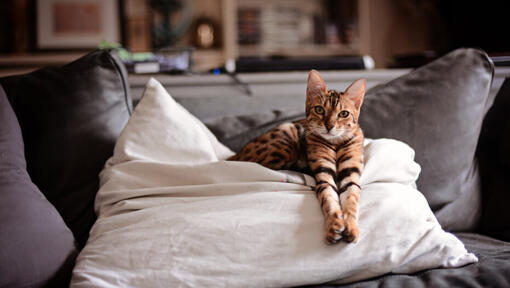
column 170, row 214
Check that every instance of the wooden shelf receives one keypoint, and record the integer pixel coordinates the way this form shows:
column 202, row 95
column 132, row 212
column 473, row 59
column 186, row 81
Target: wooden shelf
column 301, row 51
column 13, row 64
column 38, row 60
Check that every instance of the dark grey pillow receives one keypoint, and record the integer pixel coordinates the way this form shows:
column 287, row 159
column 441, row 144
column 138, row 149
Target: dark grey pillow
column 70, row 117
column 36, row 247
column 494, row 155
column 438, row 110
column 236, row 131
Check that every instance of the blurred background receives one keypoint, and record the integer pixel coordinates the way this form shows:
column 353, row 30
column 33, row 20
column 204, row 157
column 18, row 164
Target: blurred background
column 248, row 35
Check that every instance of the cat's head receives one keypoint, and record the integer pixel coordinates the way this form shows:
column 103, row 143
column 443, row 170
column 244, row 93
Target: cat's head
column 331, row 114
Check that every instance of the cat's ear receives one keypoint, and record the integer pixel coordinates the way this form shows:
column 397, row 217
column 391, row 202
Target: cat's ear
column 316, row 86
column 356, row 91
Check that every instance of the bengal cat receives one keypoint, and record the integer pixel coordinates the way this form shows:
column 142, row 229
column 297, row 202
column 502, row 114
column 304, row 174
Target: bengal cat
column 329, row 142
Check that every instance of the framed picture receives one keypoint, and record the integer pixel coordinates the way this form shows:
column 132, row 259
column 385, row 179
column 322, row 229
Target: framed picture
column 76, row 24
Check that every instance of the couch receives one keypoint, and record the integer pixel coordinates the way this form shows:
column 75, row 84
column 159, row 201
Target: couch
column 60, row 124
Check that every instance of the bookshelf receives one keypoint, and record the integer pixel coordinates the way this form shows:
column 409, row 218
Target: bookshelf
column 379, row 28
column 278, row 22
column 286, row 28
column 138, row 16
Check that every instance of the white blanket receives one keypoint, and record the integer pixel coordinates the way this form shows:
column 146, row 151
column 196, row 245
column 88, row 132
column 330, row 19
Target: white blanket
column 170, row 214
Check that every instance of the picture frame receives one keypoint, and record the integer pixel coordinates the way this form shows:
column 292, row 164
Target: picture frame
column 76, row 24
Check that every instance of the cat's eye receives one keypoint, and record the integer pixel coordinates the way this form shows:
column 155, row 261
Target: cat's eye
column 343, row 114
column 319, row 110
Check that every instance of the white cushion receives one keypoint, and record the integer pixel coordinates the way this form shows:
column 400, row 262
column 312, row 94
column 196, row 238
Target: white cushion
column 170, row 213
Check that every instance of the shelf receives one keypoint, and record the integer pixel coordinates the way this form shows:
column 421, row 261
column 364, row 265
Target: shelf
column 310, row 50
column 12, row 64
column 203, row 59
column 37, row 60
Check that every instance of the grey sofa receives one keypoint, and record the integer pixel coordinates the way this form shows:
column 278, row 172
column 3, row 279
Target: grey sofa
column 59, row 125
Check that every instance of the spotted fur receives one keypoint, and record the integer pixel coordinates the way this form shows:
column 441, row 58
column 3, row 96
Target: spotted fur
column 328, row 144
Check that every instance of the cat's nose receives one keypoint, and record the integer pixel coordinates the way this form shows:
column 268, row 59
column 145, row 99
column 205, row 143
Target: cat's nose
column 329, row 126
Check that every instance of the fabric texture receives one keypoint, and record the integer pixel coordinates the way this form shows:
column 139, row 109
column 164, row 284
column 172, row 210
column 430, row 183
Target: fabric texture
column 170, row 212
column 438, row 110
column 70, row 117
column 36, row 247
column 494, row 155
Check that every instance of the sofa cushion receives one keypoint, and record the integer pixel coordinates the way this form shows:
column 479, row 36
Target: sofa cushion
column 494, row 155
column 36, row 247
column 70, row 117
column 438, row 110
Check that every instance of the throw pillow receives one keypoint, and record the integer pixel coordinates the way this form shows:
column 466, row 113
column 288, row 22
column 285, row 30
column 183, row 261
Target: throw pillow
column 236, row 131
column 170, row 212
column 438, row 110
column 70, row 117
column 494, row 155
column 36, row 247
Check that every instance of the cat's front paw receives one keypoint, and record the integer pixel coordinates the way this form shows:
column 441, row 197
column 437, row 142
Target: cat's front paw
column 351, row 232
column 334, row 227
